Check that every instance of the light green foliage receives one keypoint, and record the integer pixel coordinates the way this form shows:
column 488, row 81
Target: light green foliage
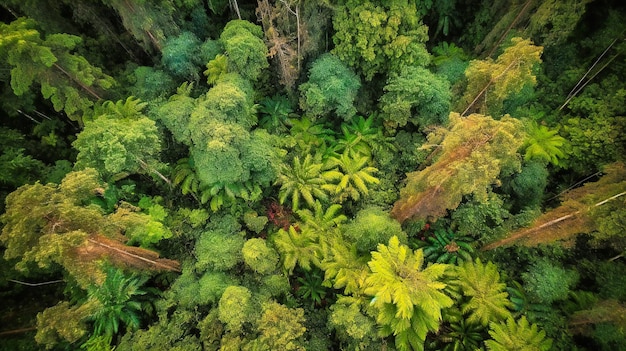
column 303, row 180
column 350, row 176
column 246, row 51
column 219, row 250
column 517, row 336
column 68, row 80
column 417, row 96
column 254, row 222
column 543, row 144
column 168, row 334
column 320, row 219
column 44, row 223
column 487, row 299
column 63, row 321
column 475, row 150
column 409, row 298
column 371, row 227
column 120, row 139
column 235, row 307
column 115, row 302
column 298, row 247
column 381, row 38
column 363, row 137
column 175, row 113
column 331, row 87
column 280, row 328
column 216, row 68
column 344, row 267
column 352, row 326
column 490, row 82
column 546, row 282
column 190, row 291
column 260, row 257
column 144, row 229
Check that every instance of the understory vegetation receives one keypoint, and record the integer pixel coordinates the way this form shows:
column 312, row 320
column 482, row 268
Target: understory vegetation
column 313, row 175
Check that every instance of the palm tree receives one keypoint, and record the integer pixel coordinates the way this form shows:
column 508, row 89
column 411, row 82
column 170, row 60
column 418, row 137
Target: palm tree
column 117, row 299
column 303, row 180
column 487, row 297
column 350, row 176
column 520, row 335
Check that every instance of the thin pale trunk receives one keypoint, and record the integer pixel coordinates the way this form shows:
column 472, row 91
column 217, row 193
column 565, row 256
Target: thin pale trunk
column 506, row 32
column 573, row 94
column 545, row 225
column 36, row 284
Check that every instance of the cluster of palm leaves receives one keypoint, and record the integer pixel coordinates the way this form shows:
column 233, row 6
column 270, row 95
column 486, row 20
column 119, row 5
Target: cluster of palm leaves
column 340, row 170
column 445, row 246
column 217, row 194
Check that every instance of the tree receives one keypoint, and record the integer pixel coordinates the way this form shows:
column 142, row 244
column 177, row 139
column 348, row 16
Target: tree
column 298, row 247
column 246, row 51
column 490, row 82
column 487, row 299
column 148, row 22
column 473, row 152
column 116, row 301
column 331, row 87
column 377, row 39
column 409, row 298
column 304, row 180
column 546, row 282
column 543, row 144
column 518, row 335
column 70, row 82
column 417, row 96
column 55, row 224
column 350, row 176
column 235, row 307
column 584, row 210
column 260, row 257
column 119, row 141
column 372, row 226
column 280, row 328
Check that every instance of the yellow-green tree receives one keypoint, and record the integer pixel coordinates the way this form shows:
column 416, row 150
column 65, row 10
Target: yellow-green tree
column 408, row 297
column 490, row 82
column 70, row 82
column 472, row 153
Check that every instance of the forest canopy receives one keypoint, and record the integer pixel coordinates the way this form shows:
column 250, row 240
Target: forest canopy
column 313, row 175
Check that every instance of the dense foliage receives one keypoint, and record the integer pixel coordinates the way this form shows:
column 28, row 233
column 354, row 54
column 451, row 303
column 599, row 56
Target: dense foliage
column 313, row 175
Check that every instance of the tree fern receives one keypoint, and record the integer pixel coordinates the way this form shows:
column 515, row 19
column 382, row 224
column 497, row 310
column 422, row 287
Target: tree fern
column 409, row 299
column 117, row 301
column 216, row 68
column 487, row 297
column 303, row 180
column 517, row 336
column 297, row 248
column 543, row 144
column 350, row 176
column 444, row 246
column 322, row 219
